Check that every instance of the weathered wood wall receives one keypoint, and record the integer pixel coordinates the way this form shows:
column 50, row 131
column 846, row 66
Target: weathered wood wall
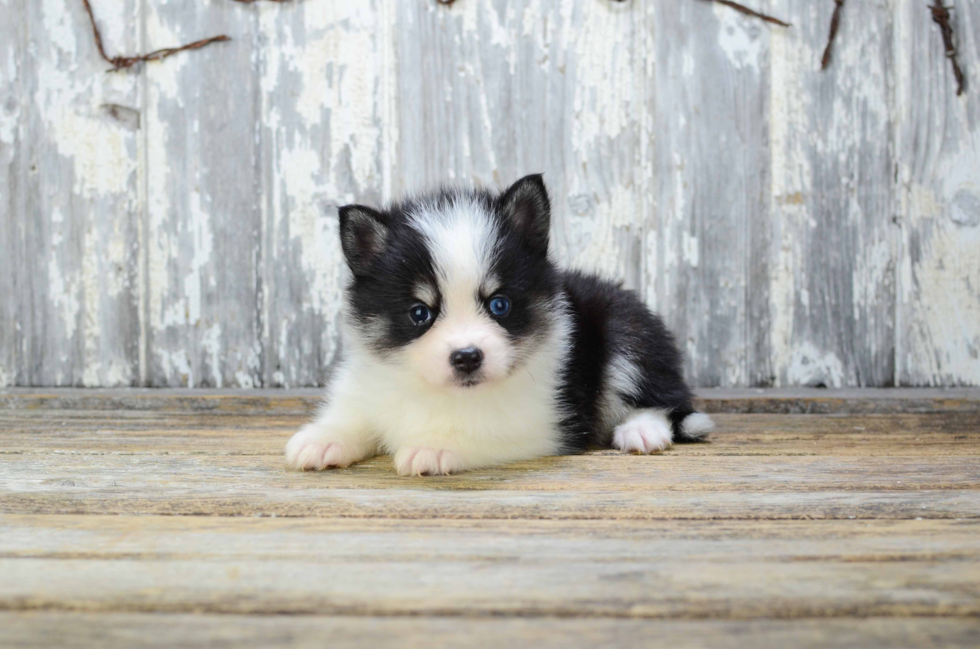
column 177, row 225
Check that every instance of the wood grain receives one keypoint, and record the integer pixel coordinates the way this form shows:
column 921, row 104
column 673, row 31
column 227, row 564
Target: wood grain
column 71, row 228
column 736, row 570
column 811, row 530
column 938, row 302
column 34, row 629
column 324, row 133
column 832, row 285
column 13, row 175
column 739, row 435
column 202, row 226
column 707, row 240
column 783, row 467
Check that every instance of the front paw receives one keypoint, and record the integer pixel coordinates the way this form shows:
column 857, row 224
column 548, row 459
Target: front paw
column 310, row 450
column 414, row 460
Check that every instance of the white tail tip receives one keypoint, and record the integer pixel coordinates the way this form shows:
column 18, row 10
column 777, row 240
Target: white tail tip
column 697, row 425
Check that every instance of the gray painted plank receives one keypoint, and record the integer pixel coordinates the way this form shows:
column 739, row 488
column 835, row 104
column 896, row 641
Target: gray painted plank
column 322, row 145
column 939, row 145
column 13, row 48
column 706, row 261
column 75, row 229
column 832, row 261
column 488, row 92
column 203, row 187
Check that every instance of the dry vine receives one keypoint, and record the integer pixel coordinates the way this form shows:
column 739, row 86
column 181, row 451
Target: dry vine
column 940, row 16
column 752, row 12
column 122, row 62
column 834, row 26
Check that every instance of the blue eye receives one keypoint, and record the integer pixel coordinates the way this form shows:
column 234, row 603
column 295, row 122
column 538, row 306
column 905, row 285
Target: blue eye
column 499, row 306
column 420, row 314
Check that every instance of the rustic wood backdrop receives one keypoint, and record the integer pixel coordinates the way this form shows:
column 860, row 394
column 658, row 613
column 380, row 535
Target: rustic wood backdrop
column 175, row 225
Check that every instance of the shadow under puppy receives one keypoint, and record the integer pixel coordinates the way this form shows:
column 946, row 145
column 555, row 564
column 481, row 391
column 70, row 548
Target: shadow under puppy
column 465, row 346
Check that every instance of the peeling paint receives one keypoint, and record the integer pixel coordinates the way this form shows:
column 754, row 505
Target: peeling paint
column 193, row 240
column 739, row 37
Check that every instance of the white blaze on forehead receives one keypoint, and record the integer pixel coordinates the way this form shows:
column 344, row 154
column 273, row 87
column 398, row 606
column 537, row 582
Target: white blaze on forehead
column 462, row 241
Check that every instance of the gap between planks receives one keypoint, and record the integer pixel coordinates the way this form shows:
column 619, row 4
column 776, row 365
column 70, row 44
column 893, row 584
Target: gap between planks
column 305, row 401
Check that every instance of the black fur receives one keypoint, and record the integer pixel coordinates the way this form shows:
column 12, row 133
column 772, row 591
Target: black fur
column 610, row 321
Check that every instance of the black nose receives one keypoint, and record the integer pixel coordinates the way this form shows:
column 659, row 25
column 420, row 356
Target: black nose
column 466, row 360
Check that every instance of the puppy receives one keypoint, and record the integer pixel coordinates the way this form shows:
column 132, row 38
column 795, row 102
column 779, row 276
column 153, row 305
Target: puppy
column 466, row 347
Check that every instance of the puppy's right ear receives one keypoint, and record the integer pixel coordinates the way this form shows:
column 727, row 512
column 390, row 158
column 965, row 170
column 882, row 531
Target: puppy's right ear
column 363, row 235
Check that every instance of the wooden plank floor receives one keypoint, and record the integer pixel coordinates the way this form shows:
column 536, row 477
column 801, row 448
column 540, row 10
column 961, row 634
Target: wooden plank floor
column 166, row 519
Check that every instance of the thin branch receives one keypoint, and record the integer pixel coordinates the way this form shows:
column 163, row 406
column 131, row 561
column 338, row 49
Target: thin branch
column 449, row 2
column 834, row 26
column 752, row 12
column 940, row 16
column 122, row 62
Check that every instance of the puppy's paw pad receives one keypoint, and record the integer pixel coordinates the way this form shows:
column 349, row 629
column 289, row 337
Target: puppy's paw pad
column 643, row 435
column 415, row 460
column 309, row 451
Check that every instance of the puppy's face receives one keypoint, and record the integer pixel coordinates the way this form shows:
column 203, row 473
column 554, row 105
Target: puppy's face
column 456, row 287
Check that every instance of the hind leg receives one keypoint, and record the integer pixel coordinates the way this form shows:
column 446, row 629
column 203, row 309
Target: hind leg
column 644, row 431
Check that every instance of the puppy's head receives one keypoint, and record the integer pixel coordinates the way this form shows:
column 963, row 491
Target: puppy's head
column 456, row 286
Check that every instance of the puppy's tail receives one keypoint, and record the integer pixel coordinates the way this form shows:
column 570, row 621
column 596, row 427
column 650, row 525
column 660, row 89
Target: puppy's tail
column 690, row 426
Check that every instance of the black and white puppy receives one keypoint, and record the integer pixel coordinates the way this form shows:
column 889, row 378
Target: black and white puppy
column 466, row 347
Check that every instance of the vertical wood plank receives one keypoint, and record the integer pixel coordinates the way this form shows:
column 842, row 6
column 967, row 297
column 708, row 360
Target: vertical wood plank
column 13, row 49
column 939, row 147
column 706, row 265
column 490, row 91
column 203, row 187
column 832, row 274
column 322, row 137
column 74, row 238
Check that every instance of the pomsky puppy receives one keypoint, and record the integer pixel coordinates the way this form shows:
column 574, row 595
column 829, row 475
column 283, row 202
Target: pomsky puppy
column 464, row 346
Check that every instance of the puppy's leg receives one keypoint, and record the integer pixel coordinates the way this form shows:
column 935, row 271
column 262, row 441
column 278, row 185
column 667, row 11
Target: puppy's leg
column 644, row 431
column 337, row 438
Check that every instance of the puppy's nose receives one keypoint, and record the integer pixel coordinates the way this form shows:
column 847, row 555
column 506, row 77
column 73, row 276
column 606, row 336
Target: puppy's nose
column 466, row 360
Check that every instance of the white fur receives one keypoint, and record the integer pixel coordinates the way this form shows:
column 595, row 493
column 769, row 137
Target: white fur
column 697, row 425
column 622, row 378
column 645, row 431
column 377, row 406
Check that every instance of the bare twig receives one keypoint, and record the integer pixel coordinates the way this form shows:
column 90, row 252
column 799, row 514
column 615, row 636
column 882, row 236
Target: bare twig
column 752, row 12
column 940, row 16
column 834, row 26
column 122, row 62
column 449, row 2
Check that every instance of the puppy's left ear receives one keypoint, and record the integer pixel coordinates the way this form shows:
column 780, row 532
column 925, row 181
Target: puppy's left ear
column 526, row 206
column 363, row 235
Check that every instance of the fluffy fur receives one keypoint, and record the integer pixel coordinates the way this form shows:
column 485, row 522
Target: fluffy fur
column 574, row 363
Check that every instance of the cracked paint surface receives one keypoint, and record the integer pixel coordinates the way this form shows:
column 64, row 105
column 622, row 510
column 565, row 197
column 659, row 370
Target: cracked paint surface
column 176, row 225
